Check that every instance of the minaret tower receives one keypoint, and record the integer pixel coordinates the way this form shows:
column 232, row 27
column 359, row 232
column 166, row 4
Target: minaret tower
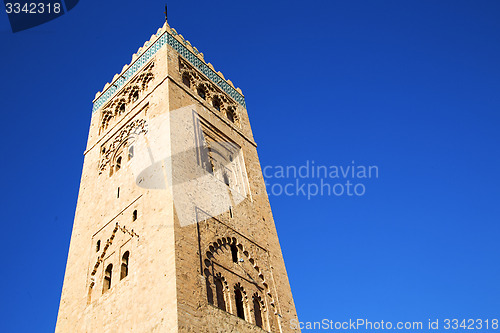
column 173, row 229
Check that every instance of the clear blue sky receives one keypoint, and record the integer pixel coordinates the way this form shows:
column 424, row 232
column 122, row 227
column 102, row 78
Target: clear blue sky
column 409, row 86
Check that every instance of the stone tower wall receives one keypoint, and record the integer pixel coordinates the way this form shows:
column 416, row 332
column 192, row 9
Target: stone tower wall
column 141, row 201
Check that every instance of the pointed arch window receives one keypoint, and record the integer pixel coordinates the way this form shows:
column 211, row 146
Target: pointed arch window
column 257, row 310
column 107, row 278
column 216, row 103
column 230, row 115
column 210, row 295
column 124, row 267
column 234, row 252
column 135, row 96
column 118, row 164
column 201, row 92
column 240, row 307
column 186, row 80
column 130, row 152
column 121, row 108
column 219, row 291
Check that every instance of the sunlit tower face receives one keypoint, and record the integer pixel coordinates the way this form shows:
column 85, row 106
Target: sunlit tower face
column 173, row 229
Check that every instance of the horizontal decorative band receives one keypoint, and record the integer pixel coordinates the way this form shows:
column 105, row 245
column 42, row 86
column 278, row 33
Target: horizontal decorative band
column 183, row 51
column 207, row 71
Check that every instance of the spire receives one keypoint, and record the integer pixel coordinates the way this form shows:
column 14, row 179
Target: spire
column 165, row 12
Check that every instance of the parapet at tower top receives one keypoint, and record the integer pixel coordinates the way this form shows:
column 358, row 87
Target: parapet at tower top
column 166, row 35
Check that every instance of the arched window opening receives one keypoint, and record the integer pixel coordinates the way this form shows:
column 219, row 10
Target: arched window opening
column 240, row 309
column 121, row 109
column 210, row 295
column 130, row 152
column 257, row 311
column 216, row 104
column 234, row 252
column 201, row 92
column 226, row 179
column 134, row 215
column 106, row 118
column 219, row 291
column 124, row 268
column 230, row 115
column 98, row 246
column 135, row 96
column 118, row 164
column 107, row 278
column 186, row 80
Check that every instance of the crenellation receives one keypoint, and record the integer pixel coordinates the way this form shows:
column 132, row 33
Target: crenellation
column 146, row 46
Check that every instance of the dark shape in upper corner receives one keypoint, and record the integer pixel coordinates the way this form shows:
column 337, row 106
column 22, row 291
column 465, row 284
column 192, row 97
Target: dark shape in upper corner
column 43, row 12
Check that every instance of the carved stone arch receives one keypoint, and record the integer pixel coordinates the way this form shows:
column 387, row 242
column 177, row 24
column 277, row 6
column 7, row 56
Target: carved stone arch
column 232, row 115
column 111, row 104
column 107, row 116
column 259, row 311
column 102, row 253
column 127, row 90
column 242, row 305
column 205, row 88
column 212, row 89
column 222, row 246
column 257, row 296
column 221, row 291
column 188, row 79
column 240, row 287
column 226, row 102
column 220, row 276
column 145, row 77
column 118, row 151
column 132, row 93
column 148, row 77
column 217, row 102
column 120, row 105
column 131, row 130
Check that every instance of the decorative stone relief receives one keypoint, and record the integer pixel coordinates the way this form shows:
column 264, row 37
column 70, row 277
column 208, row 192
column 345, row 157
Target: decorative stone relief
column 111, row 149
column 219, row 100
column 117, row 106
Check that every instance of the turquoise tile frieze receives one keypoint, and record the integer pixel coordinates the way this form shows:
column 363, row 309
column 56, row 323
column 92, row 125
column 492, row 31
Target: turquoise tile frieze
column 167, row 38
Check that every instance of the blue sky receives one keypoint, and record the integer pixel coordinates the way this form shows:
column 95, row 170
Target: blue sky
column 411, row 87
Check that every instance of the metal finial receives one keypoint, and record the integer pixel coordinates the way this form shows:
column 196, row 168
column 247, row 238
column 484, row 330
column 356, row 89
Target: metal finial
column 165, row 12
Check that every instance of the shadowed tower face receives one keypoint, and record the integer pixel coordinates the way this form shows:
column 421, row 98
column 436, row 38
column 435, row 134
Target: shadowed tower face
column 173, row 230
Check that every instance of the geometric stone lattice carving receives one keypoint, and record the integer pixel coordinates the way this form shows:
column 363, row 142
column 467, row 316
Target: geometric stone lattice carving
column 117, row 107
column 120, row 141
column 219, row 100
